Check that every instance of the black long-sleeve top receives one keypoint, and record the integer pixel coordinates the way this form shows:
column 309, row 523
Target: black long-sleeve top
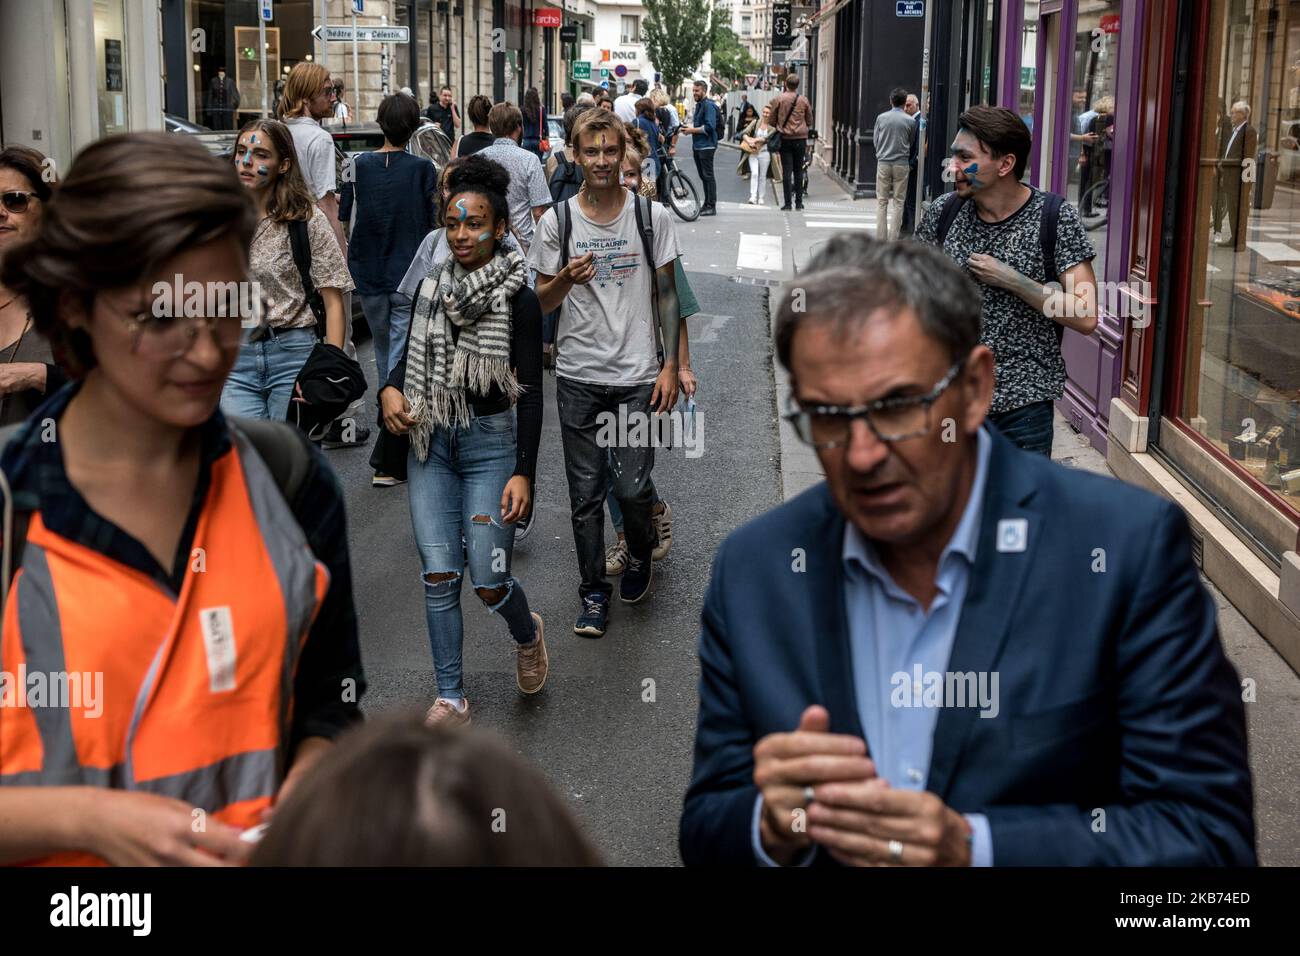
column 526, row 358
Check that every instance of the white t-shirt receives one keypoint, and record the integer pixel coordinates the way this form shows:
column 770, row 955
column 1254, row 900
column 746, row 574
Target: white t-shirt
column 625, row 107
column 606, row 331
column 315, row 149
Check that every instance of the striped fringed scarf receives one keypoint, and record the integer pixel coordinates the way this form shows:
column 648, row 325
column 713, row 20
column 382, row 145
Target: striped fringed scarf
column 440, row 373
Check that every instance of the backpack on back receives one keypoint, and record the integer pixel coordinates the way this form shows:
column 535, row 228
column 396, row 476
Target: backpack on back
column 719, row 123
column 566, row 180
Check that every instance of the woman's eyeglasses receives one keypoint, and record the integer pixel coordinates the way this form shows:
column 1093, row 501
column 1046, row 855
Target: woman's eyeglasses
column 165, row 338
column 16, row 200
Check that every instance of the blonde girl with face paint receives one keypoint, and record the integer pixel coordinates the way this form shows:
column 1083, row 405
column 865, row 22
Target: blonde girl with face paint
column 473, row 350
column 261, row 385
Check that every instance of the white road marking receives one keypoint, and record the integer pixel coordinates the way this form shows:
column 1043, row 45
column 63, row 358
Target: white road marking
column 1273, row 251
column 839, row 225
column 759, row 252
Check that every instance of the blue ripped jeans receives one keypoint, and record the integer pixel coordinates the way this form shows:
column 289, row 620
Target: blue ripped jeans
column 457, row 491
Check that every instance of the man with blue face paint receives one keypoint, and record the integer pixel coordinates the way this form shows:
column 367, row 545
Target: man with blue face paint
column 1032, row 258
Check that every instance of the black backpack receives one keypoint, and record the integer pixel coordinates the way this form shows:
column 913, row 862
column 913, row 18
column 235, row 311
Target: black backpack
column 644, row 227
column 1047, row 227
column 566, row 179
column 720, row 124
column 281, row 447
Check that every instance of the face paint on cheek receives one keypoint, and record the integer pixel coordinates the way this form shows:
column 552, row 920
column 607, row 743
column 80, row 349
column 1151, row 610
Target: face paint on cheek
column 971, row 172
column 485, row 237
column 263, row 171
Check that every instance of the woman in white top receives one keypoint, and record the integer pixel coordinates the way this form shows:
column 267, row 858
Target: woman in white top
column 754, row 143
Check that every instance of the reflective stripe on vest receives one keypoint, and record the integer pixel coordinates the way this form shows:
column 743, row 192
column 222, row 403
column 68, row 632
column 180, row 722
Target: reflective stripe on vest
column 174, row 721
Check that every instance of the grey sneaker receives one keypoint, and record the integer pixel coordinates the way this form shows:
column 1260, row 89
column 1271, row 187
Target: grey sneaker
column 531, row 661
column 664, row 526
column 616, row 558
column 444, row 713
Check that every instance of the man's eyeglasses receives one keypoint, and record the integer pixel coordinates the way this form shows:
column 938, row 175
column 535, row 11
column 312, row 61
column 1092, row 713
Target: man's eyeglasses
column 165, row 338
column 16, row 200
column 890, row 419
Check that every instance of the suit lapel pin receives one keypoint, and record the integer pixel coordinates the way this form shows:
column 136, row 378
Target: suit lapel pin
column 1013, row 534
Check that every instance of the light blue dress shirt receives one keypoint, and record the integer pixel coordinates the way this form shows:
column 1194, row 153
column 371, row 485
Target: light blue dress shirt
column 891, row 637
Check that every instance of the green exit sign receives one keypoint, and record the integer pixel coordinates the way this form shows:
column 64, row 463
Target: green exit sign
column 582, row 69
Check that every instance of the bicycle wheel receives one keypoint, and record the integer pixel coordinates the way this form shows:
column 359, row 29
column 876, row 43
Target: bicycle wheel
column 682, row 197
column 1096, row 202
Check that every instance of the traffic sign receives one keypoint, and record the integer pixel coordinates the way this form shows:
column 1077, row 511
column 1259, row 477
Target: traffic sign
column 364, row 34
column 267, row 13
column 582, row 69
column 909, row 8
column 604, row 73
column 358, row 6
column 620, row 70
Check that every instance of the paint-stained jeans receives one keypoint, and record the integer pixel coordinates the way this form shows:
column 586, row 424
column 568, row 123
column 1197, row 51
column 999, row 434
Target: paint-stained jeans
column 589, row 466
column 457, row 491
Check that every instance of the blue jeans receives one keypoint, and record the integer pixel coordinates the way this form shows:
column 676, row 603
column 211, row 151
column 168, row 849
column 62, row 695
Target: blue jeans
column 1028, row 427
column 261, row 383
column 378, row 310
column 456, row 492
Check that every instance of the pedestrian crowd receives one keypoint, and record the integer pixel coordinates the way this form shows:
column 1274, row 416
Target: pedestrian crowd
column 174, row 531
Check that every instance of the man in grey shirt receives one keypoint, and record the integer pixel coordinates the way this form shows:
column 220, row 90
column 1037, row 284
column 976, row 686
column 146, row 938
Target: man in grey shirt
column 528, row 195
column 892, row 135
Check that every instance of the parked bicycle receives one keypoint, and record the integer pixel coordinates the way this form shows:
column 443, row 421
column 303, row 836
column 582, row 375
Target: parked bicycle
column 1094, row 205
column 679, row 192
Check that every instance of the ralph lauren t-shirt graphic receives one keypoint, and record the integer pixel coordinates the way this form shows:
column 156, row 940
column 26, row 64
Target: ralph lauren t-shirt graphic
column 614, row 261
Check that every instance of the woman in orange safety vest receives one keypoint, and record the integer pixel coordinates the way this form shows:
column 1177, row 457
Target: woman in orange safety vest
column 179, row 640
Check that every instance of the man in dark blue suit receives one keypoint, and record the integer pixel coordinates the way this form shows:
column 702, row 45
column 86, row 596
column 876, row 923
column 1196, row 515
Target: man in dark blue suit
column 952, row 652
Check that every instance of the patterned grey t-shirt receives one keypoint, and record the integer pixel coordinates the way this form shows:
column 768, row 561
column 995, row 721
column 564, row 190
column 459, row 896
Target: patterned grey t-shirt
column 1029, row 367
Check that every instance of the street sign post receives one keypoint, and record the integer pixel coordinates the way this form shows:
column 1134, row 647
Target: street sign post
column 782, row 25
column 397, row 34
column 909, row 8
column 268, row 14
column 582, row 69
column 261, row 47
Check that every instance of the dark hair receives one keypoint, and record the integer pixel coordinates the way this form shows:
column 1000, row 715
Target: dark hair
column 504, row 119
column 532, row 102
column 792, row 81
column 395, row 792
column 1000, row 131
column 640, row 87
column 570, row 118
column 645, row 107
column 128, row 204
column 338, row 84
column 897, row 96
column 483, row 177
column 852, row 276
column 478, row 109
column 399, row 118
column 290, row 197
column 566, row 100
column 700, row 83
column 30, row 164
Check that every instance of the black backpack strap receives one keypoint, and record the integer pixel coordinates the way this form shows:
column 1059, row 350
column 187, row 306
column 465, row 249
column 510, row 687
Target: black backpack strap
column 284, row 448
column 646, row 228
column 300, row 244
column 564, row 218
column 1047, row 233
column 14, row 527
column 949, row 215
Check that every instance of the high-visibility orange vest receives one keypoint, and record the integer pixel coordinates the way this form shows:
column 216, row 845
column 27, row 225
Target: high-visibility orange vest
column 197, row 688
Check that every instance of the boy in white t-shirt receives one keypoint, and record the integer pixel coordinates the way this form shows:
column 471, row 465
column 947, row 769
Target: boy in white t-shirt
column 608, row 372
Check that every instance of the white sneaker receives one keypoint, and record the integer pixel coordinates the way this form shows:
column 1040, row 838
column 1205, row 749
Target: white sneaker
column 664, row 526
column 616, row 558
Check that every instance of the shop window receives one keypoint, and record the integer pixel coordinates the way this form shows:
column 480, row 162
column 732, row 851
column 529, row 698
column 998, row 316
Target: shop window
column 1028, row 65
column 1092, row 118
column 110, row 57
column 1239, row 386
column 987, row 92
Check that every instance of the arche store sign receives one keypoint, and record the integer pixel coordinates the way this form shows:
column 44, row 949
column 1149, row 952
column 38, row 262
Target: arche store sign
column 548, row 17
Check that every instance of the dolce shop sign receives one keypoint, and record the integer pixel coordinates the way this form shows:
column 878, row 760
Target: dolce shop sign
column 620, row 56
